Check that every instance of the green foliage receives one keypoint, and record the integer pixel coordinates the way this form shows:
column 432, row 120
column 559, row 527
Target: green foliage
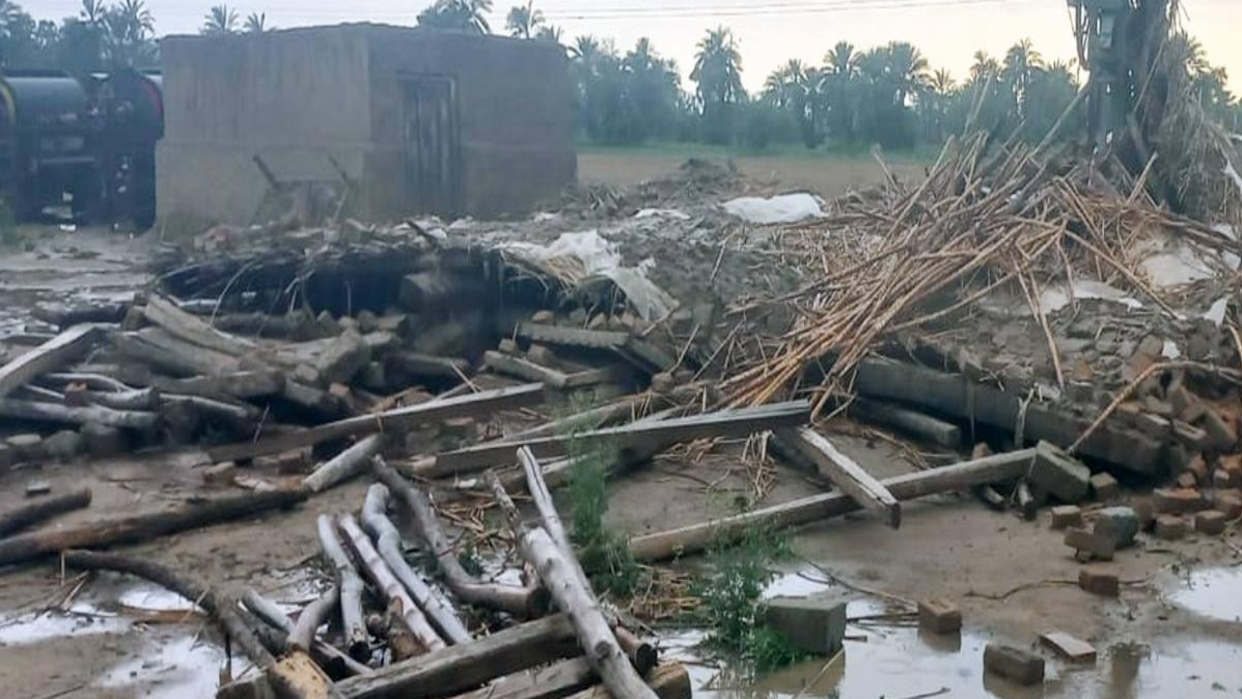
column 604, row 553
column 457, row 15
column 732, row 607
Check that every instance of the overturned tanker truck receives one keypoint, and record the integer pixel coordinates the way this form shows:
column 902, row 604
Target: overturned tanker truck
column 80, row 147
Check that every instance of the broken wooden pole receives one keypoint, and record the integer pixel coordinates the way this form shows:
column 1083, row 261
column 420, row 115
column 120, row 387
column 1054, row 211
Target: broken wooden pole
column 697, row 537
column 647, row 435
column 140, row 528
column 333, row 660
column 48, row 357
column 388, row 543
column 563, row 577
column 164, row 313
column 42, row 510
column 350, row 585
column 525, row 369
column 466, row 666
column 930, row 429
column 63, row 414
column 525, row 602
column 314, row 615
column 392, row 590
column 473, row 405
column 132, row 399
column 846, row 474
column 344, row 466
column 668, row 681
column 592, row 419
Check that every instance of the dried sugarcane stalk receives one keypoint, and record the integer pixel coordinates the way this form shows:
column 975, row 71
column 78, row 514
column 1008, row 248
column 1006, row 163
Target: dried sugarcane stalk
column 525, row 602
column 388, row 542
column 393, row 590
column 562, row 577
column 350, row 585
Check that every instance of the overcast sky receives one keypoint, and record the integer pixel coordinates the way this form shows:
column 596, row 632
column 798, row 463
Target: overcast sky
column 769, row 32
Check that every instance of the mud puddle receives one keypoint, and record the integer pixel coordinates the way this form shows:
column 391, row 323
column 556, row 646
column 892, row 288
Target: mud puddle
column 894, row 660
column 1214, row 594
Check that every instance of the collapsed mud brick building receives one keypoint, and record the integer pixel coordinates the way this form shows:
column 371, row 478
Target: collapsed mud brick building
column 405, row 121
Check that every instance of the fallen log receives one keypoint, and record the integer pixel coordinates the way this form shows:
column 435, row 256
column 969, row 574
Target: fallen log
column 140, row 528
column 350, row 585
column 63, row 414
column 314, row 615
column 328, row 656
column 132, row 399
column 388, row 584
column 159, row 349
column 224, row 612
column 43, row 509
column 474, row 405
column 241, row 384
column 463, row 667
column 921, row 425
column 697, row 537
column 524, row 602
column 564, row 579
column 388, row 543
column 48, row 357
column 642, row 655
column 343, row 466
column 552, row 682
column 179, row 324
column 642, row 435
column 668, row 681
column 97, row 382
column 524, row 369
column 846, row 474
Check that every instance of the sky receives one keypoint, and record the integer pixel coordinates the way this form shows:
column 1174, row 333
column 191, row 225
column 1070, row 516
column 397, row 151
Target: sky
column 769, row 32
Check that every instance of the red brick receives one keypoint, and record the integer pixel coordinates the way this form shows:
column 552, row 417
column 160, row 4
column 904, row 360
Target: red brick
column 1066, row 516
column 220, row 475
column 1178, row 501
column 1198, row 466
column 1099, row 582
column 1229, row 503
column 1220, row 479
column 1210, row 522
column 1221, row 429
column 1171, row 527
column 939, row 616
column 1186, row 480
column 1146, row 511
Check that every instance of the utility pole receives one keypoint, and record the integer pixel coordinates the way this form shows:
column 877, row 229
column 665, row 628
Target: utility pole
column 1100, row 27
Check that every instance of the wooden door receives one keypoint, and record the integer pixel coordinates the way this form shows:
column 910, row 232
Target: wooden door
column 432, row 150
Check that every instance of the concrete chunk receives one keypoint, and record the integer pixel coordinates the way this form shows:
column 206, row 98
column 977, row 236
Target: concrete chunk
column 1059, row 474
column 1121, row 524
column 1104, row 487
column 1095, row 545
column 814, row 624
column 63, row 446
column 1015, row 664
column 1066, row 516
column 26, row 447
column 1222, row 435
column 1228, row 503
column 1210, row 522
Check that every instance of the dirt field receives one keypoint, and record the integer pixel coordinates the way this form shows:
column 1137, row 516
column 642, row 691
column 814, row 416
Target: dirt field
column 827, row 176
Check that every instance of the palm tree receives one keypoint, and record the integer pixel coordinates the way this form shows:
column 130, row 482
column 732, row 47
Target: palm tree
column 941, row 82
column 842, row 60
column 1021, row 62
column 93, row 12
column 984, row 68
column 524, row 20
column 458, row 15
column 787, row 86
column 220, row 20
column 549, row 33
column 907, row 68
column 718, row 72
column 256, row 23
column 128, row 27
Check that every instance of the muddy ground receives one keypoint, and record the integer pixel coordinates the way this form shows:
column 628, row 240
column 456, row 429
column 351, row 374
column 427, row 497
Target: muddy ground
column 1176, row 629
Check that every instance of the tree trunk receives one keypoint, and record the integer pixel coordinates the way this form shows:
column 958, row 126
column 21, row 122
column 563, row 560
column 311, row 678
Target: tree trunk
column 344, row 466
column 669, row 681
column 63, row 414
column 43, row 509
column 563, row 578
column 140, row 528
column 388, row 584
column 350, row 585
column 388, row 543
column 529, row 603
column 328, row 656
column 49, row 356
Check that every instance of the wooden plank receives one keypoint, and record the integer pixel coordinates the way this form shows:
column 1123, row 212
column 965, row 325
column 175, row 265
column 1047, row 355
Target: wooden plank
column 847, row 475
column 156, row 347
column 1069, row 647
column 473, row 405
column 558, row 680
column 656, row 434
column 48, row 357
column 525, row 369
column 468, row 665
column 697, row 537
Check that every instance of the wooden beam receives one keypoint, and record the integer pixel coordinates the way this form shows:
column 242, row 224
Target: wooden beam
column 190, row 328
column 463, row 667
column 42, row 509
column 525, row 369
column 647, row 435
column 847, row 475
column 48, row 357
column 572, row 337
column 697, row 537
column 63, row 414
column 473, row 405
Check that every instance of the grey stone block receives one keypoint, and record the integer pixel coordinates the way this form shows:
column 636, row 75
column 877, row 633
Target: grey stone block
column 814, row 624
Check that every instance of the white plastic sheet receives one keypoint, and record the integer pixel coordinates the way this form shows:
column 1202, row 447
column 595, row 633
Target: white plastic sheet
column 786, row 208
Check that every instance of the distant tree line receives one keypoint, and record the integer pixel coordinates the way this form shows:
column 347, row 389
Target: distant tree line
column 888, row 94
